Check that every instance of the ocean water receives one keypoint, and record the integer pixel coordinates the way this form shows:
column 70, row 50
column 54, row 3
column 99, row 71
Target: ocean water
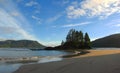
column 17, row 52
column 44, row 56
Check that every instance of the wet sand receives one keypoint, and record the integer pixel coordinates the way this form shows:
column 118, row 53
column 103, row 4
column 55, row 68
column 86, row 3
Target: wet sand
column 97, row 61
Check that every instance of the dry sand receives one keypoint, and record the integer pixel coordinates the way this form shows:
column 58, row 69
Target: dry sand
column 98, row 61
column 99, row 53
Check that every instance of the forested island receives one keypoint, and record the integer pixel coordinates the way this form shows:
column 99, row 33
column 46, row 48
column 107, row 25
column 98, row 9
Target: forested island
column 74, row 40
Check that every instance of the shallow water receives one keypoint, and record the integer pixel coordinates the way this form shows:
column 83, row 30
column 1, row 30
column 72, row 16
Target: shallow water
column 45, row 56
column 15, row 53
column 11, row 67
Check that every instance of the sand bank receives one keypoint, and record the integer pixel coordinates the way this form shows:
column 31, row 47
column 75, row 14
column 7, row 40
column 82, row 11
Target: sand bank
column 98, row 61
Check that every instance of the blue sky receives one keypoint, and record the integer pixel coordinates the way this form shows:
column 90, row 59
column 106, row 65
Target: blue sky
column 48, row 21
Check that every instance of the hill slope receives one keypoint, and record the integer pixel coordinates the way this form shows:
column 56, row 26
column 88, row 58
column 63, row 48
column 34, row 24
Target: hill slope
column 109, row 41
column 20, row 44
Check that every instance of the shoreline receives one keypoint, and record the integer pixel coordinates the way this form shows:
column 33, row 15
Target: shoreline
column 19, row 60
column 37, row 58
column 94, row 59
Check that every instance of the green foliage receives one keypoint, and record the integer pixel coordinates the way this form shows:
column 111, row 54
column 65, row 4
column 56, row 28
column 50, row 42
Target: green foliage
column 76, row 39
column 87, row 40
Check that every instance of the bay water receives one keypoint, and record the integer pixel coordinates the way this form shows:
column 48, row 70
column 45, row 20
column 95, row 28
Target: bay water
column 45, row 56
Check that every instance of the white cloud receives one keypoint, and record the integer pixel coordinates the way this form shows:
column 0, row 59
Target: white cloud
column 31, row 3
column 19, row 1
column 61, row 2
column 93, row 8
column 65, row 2
column 56, row 17
column 52, row 43
column 37, row 19
column 7, row 30
column 54, row 26
column 52, row 19
column 74, row 25
column 37, row 11
column 113, row 23
column 117, row 25
column 36, row 5
column 12, row 27
column 15, row 13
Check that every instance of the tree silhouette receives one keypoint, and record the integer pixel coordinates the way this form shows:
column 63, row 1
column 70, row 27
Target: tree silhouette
column 62, row 43
column 76, row 39
column 87, row 40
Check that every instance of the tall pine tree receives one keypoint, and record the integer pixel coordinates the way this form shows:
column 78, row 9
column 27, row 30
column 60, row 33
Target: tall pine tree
column 87, row 41
column 75, row 39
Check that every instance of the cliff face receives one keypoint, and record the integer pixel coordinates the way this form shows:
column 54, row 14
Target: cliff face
column 109, row 41
column 20, row 44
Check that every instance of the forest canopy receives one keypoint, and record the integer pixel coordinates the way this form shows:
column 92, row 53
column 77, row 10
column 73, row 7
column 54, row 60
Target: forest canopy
column 74, row 40
column 77, row 39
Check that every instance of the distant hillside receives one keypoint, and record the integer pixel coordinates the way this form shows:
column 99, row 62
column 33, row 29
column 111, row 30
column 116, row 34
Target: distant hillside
column 20, row 44
column 109, row 41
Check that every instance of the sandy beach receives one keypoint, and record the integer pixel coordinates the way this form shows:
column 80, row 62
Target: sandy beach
column 97, row 61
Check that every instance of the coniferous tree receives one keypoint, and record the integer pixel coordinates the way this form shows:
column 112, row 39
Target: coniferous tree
column 75, row 39
column 81, row 39
column 69, row 36
column 76, row 36
column 62, row 43
column 86, row 41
